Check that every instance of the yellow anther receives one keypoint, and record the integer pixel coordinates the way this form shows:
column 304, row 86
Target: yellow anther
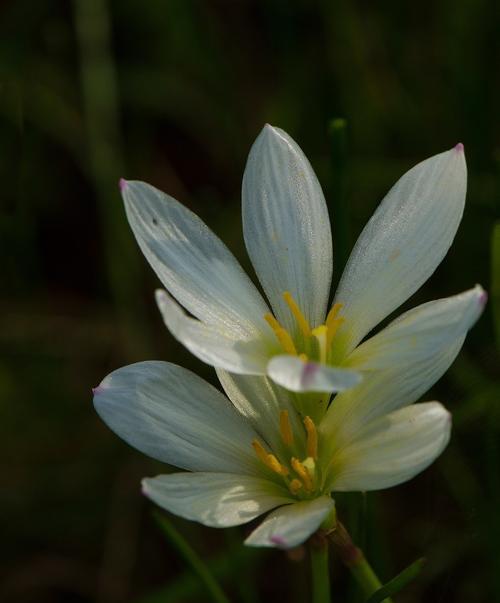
column 275, row 465
column 286, row 428
column 299, row 317
column 282, row 334
column 268, row 459
column 321, row 334
column 333, row 323
column 303, row 357
column 260, row 451
column 295, row 485
column 334, row 310
column 312, row 438
column 303, row 473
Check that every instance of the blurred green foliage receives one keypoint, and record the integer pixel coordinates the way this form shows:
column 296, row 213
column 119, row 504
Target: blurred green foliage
column 174, row 92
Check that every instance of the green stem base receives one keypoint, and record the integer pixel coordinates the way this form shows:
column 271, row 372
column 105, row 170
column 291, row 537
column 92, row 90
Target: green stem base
column 320, row 571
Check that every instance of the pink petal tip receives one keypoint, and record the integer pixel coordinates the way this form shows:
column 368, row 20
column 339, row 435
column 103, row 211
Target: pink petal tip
column 308, row 372
column 279, row 541
column 96, row 390
column 122, row 184
column 459, row 148
column 483, row 298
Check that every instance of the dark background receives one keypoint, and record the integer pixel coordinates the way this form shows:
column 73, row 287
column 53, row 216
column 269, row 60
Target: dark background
column 174, row 93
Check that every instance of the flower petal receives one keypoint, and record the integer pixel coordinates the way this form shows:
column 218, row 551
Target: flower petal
column 219, row 500
column 381, row 393
column 420, row 332
column 192, row 263
column 291, row 525
column 402, row 244
column 392, row 449
column 286, row 227
column 408, row 357
column 210, row 344
column 172, row 415
column 298, row 376
column 261, row 401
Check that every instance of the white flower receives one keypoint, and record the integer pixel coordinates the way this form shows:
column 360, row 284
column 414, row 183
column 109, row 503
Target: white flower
column 257, row 453
column 301, row 344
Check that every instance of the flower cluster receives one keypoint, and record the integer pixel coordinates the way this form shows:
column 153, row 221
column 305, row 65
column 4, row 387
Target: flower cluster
column 278, row 440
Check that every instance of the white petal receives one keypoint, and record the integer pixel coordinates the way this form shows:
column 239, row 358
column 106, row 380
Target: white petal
column 392, row 449
column 191, row 262
column 402, row 244
column 291, row 525
column 408, row 357
column 420, row 332
column 219, row 500
column 298, row 376
column 209, row 343
column 381, row 393
column 261, row 401
column 172, row 415
column 286, row 226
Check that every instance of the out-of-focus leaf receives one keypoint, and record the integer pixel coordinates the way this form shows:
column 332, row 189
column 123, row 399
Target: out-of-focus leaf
column 186, row 586
column 338, row 202
column 495, row 279
column 213, row 590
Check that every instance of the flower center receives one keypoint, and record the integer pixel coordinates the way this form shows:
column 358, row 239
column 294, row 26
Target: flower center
column 316, row 342
column 300, row 477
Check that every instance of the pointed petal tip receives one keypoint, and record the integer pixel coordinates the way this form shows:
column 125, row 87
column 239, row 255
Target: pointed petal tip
column 122, row 184
column 483, row 297
column 278, row 541
column 459, row 148
column 97, row 390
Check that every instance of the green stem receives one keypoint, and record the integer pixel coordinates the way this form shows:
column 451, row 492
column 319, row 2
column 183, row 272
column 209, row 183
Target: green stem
column 319, row 571
column 354, row 559
column 364, row 575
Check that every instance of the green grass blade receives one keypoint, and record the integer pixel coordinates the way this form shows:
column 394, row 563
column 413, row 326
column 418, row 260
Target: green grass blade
column 213, row 590
column 398, row 583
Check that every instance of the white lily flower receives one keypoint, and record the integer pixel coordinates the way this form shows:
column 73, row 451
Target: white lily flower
column 299, row 343
column 257, row 453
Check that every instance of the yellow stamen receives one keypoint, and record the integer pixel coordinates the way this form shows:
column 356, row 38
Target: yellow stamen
column 303, row 473
column 312, row 438
column 333, row 323
column 286, row 428
column 282, row 334
column 334, row 310
column 295, row 485
column 260, row 451
column 303, row 357
column 299, row 317
column 321, row 333
column 268, row 459
column 275, row 465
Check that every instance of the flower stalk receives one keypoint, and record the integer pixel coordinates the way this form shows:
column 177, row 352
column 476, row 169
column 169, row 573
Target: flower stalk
column 320, row 574
column 354, row 559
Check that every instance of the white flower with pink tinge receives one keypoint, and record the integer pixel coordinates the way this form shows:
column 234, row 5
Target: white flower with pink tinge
column 254, row 452
column 215, row 310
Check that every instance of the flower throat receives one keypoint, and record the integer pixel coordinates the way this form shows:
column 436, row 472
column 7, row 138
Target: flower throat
column 317, row 342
